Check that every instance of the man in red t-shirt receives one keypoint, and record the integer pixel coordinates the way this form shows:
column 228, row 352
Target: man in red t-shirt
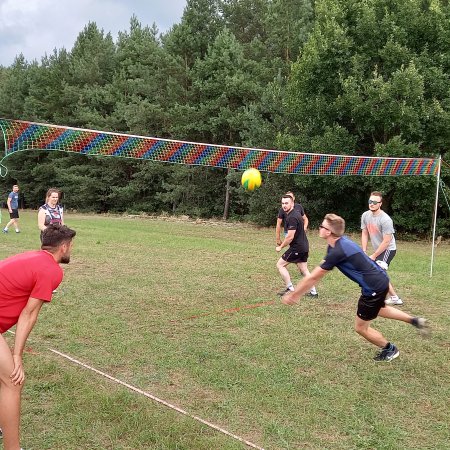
column 26, row 282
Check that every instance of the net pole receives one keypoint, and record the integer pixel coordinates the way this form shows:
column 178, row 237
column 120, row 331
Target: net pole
column 438, row 179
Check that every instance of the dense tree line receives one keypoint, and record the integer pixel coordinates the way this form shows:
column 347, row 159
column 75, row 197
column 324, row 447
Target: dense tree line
column 325, row 76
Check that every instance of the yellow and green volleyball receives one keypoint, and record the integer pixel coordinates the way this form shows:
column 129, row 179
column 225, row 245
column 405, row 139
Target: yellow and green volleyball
column 251, row 179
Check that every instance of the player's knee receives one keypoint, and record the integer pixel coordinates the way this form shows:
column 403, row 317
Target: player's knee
column 361, row 328
column 7, row 386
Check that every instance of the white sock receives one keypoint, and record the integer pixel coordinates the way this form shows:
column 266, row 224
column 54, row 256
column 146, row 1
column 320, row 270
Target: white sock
column 290, row 286
column 313, row 290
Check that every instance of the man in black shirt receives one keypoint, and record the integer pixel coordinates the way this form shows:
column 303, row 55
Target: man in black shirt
column 297, row 252
column 281, row 219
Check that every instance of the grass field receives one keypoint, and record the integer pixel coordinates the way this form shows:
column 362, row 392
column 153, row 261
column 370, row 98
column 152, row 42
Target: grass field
column 145, row 301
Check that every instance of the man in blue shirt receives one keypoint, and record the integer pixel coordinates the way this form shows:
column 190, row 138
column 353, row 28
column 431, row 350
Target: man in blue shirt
column 13, row 208
column 349, row 258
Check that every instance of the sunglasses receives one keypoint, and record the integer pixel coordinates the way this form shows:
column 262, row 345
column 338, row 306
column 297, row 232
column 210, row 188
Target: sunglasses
column 373, row 202
column 325, row 228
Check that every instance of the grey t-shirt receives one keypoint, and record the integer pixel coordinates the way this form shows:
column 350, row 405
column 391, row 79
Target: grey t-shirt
column 14, row 196
column 378, row 226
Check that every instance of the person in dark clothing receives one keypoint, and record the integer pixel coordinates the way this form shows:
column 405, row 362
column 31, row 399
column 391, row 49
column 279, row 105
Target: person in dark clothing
column 350, row 259
column 298, row 250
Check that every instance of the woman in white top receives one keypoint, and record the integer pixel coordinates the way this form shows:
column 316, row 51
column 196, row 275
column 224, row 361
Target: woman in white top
column 51, row 211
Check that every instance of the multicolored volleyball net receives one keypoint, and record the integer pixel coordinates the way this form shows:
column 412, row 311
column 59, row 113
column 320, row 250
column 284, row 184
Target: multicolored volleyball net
column 21, row 136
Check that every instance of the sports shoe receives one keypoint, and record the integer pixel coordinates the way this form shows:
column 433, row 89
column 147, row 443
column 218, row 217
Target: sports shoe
column 1, row 433
column 394, row 300
column 17, row 231
column 4, row 230
column 310, row 294
column 387, row 354
column 422, row 325
column 284, row 291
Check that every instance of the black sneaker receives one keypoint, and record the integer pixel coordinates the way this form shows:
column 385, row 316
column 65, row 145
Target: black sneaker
column 284, row 291
column 387, row 354
column 422, row 325
column 310, row 294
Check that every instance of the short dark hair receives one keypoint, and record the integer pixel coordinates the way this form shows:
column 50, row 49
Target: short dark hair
column 56, row 234
column 287, row 196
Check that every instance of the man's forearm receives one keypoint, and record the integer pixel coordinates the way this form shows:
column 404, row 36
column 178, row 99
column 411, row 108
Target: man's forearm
column 364, row 241
column 383, row 246
column 24, row 326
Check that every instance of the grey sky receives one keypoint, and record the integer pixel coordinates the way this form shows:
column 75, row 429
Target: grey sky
column 36, row 27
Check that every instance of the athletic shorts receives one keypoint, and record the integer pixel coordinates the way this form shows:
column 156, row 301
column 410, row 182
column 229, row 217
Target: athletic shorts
column 293, row 256
column 369, row 305
column 386, row 257
column 14, row 214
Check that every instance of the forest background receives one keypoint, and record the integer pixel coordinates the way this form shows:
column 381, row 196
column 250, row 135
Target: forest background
column 327, row 76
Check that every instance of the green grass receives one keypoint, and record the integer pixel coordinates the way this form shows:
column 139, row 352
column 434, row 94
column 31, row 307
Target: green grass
column 283, row 378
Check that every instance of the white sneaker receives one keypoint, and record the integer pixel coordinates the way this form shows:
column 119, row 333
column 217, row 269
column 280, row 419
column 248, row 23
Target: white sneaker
column 394, row 300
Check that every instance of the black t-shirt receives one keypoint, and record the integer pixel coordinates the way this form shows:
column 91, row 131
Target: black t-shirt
column 282, row 215
column 294, row 221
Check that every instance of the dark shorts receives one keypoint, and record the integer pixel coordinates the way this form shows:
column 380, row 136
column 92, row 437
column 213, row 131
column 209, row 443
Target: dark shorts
column 387, row 256
column 14, row 214
column 369, row 306
column 294, row 256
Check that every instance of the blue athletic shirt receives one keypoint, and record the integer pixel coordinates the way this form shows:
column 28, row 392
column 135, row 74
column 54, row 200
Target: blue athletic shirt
column 349, row 258
column 14, row 196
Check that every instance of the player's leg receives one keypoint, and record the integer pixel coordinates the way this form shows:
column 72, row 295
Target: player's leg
column 368, row 309
column 303, row 269
column 393, row 298
column 9, row 399
column 393, row 313
column 16, row 222
column 420, row 323
column 383, row 260
column 363, row 328
column 285, row 275
column 5, row 230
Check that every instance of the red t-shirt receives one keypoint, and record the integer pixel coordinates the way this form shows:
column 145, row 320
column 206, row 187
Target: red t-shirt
column 31, row 274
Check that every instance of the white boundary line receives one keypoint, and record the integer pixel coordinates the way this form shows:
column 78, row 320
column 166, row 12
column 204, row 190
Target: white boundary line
column 156, row 399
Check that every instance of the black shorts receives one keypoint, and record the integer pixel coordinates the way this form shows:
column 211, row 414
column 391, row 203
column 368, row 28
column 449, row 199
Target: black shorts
column 387, row 256
column 294, row 256
column 369, row 306
column 14, row 214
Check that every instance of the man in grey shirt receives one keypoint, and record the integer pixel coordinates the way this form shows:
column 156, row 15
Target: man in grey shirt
column 377, row 225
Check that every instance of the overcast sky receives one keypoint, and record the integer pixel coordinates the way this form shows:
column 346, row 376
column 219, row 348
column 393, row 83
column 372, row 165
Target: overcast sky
column 36, row 27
